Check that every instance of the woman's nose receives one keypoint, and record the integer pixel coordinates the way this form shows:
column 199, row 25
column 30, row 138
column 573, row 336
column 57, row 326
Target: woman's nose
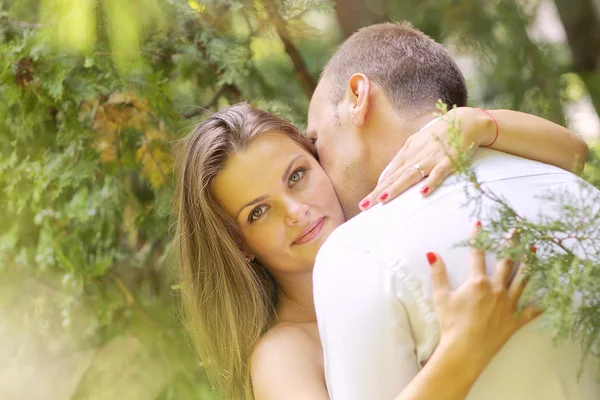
column 297, row 212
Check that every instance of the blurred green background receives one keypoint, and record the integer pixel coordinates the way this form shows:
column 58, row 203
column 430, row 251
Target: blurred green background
column 93, row 94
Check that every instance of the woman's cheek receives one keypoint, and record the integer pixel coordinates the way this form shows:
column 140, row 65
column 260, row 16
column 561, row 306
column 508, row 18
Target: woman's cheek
column 264, row 238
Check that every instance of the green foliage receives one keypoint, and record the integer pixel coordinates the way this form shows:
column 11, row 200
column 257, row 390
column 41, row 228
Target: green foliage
column 92, row 95
column 591, row 172
column 564, row 268
column 89, row 110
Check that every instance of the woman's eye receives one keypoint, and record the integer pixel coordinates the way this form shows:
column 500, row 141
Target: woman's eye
column 257, row 213
column 296, row 176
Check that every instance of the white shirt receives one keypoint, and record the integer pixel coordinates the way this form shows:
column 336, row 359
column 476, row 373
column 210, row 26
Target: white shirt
column 373, row 294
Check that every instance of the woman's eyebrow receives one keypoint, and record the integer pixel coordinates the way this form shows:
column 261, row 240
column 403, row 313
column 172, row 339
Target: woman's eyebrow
column 252, row 202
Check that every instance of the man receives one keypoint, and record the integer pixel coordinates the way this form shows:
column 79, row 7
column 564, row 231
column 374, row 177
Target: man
column 372, row 290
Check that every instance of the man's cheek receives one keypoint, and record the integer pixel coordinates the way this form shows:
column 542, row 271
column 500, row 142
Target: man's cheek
column 327, row 161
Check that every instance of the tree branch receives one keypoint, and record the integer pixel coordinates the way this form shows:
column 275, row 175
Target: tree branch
column 213, row 100
column 535, row 58
column 306, row 80
column 353, row 15
column 25, row 25
column 156, row 164
column 582, row 25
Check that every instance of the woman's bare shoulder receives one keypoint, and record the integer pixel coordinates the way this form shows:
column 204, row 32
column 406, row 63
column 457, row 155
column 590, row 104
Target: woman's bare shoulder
column 283, row 340
column 287, row 357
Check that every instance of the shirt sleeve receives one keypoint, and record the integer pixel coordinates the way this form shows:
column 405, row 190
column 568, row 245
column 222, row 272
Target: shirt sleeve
column 368, row 346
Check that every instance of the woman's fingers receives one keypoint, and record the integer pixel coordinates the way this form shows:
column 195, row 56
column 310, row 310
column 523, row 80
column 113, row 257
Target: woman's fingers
column 437, row 175
column 477, row 257
column 396, row 164
column 503, row 272
column 396, row 181
column 402, row 176
column 518, row 284
column 504, row 268
column 371, row 199
column 528, row 314
column 439, row 275
column 394, row 173
column 399, row 184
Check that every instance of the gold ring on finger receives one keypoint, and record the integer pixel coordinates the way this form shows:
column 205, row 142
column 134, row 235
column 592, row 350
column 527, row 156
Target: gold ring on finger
column 421, row 170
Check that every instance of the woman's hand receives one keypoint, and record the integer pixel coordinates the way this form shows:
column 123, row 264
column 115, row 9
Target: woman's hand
column 429, row 150
column 479, row 317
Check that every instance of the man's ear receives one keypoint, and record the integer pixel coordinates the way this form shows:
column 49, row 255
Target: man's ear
column 359, row 90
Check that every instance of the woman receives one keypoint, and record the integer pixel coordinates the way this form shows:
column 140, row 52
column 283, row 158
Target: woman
column 245, row 177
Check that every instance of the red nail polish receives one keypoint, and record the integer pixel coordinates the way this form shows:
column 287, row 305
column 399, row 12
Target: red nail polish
column 478, row 224
column 431, row 258
column 424, row 190
column 383, row 196
column 534, row 249
column 364, row 204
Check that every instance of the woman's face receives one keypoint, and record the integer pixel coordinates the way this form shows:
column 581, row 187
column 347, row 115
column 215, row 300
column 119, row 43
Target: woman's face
column 281, row 199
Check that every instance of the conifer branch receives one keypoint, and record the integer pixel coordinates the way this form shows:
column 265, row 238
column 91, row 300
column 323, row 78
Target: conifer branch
column 566, row 271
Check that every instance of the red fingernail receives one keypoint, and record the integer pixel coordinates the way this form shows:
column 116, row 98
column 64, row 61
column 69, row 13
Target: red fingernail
column 478, row 224
column 383, row 196
column 534, row 249
column 364, row 204
column 424, row 190
column 431, row 258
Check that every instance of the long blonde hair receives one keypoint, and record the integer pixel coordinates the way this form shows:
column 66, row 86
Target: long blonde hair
column 228, row 302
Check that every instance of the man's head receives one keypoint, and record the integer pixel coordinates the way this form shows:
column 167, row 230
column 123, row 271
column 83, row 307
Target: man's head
column 380, row 87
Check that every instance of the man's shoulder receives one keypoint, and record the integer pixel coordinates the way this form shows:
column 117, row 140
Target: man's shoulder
column 493, row 165
column 358, row 232
column 368, row 230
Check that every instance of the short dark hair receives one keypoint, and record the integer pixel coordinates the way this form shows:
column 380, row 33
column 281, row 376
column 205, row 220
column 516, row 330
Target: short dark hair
column 413, row 69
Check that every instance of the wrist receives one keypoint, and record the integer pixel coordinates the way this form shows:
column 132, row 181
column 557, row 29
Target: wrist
column 461, row 352
column 489, row 127
column 477, row 127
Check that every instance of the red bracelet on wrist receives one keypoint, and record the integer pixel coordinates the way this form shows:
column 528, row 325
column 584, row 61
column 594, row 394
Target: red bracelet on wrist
column 497, row 127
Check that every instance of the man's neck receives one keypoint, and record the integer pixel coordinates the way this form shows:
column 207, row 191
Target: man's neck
column 417, row 122
column 397, row 129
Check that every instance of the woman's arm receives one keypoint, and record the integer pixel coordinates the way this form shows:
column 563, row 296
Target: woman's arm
column 445, row 376
column 520, row 134
column 527, row 136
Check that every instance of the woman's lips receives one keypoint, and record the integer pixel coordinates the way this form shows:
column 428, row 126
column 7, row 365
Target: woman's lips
column 310, row 232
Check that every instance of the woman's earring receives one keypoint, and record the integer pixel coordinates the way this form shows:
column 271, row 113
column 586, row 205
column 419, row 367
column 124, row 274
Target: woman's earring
column 249, row 259
column 354, row 119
